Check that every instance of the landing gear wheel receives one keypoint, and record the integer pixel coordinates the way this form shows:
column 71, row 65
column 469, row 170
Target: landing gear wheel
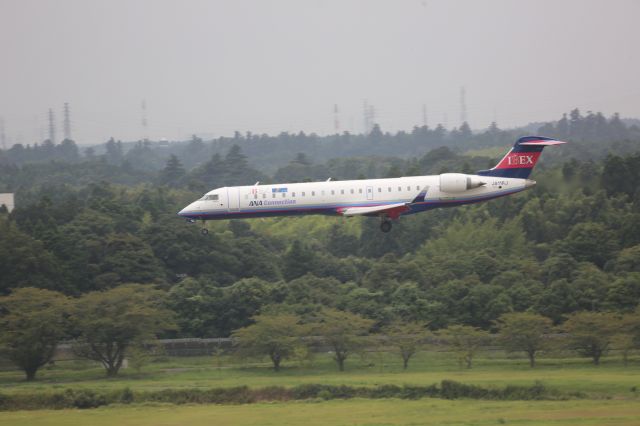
column 385, row 226
column 204, row 231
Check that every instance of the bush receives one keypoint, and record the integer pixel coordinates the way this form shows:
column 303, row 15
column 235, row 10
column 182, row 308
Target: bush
column 126, row 396
column 86, row 398
column 448, row 389
column 325, row 394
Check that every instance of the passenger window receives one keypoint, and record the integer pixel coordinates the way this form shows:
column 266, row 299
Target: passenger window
column 284, row 194
column 417, row 188
column 379, row 189
column 303, row 193
column 313, row 193
column 389, row 189
column 273, row 195
column 360, row 190
column 399, row 189
column 333, row 192
column 255, row 196
column 352, row 191
column 408, row 188
column 323, row 192
column 264, row 195
column 342, row 191
column 293, row 194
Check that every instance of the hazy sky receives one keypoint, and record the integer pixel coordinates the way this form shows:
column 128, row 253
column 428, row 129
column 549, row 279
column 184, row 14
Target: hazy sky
column 212, row 67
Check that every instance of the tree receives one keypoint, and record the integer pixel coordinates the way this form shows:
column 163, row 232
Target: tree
column 298, row 260
column 465, row 341
column 624, row 293
column 524, row 331
column 627, row 337
column 114, row 154
column 110, row 322
column 24, row 261
column 343, row 332
column 32, row 322
column 591, row 242
column 276, row 335
column 591, row 333
column 197, row 304
column 129, row 259
column 407, row 338
column 172, row 172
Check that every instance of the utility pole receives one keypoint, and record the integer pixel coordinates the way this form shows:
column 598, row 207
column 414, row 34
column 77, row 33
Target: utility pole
column 52, row 127
column 369, row 113
column 66, row 124
column 336, row 119
column 463, row 105
column 145, row 122
column 365, row 112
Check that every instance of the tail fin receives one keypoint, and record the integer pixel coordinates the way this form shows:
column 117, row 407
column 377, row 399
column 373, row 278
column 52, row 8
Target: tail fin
column 521, row 159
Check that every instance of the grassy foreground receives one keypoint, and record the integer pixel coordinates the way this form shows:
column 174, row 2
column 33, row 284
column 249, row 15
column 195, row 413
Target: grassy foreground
column 610, row 392
column 352, row 412
column 611, row 379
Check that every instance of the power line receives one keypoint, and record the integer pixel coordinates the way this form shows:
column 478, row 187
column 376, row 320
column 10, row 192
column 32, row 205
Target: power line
column 463, row 105
column 145, row 122
column 66, row 125
column 369, row 113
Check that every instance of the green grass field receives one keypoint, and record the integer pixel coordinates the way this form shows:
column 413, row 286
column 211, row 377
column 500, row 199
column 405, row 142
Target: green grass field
column 611, row 379
column 352, row 412
column 610, row 391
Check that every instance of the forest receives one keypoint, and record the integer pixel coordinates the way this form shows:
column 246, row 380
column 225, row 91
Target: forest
column 94, row 222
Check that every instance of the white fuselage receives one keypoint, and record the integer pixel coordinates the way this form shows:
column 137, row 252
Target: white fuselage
column 415, row 193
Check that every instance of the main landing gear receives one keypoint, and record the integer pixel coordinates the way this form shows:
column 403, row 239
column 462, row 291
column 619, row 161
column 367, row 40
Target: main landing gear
column 385, row 225
column 204, row 231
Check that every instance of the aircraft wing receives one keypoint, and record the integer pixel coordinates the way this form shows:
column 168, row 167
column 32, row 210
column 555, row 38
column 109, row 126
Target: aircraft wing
column 391, row 210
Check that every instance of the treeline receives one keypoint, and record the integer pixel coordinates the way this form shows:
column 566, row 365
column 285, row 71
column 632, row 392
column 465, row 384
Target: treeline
column 268, row 153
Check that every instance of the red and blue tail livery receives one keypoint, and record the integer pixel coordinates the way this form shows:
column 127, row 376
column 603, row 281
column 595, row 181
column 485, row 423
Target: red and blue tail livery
column 388, row 199
column 521, row 159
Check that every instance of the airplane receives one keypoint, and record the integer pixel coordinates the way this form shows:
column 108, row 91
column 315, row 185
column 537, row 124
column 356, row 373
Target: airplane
column 386, row 198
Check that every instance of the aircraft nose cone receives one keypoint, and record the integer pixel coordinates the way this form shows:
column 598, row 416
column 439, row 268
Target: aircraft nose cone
column 190, row 210
column 529, row 183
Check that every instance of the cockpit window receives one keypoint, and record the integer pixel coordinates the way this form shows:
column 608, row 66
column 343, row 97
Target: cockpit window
column 210, row 197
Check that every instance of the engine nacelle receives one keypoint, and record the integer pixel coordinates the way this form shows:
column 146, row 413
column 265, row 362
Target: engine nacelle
column 458, row 182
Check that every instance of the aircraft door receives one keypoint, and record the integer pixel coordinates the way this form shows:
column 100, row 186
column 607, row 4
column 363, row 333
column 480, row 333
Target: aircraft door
column 233, row 199
column 369, row 192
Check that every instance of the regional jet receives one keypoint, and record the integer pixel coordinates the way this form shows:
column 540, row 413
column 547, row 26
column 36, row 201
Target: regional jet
column 386, row 198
